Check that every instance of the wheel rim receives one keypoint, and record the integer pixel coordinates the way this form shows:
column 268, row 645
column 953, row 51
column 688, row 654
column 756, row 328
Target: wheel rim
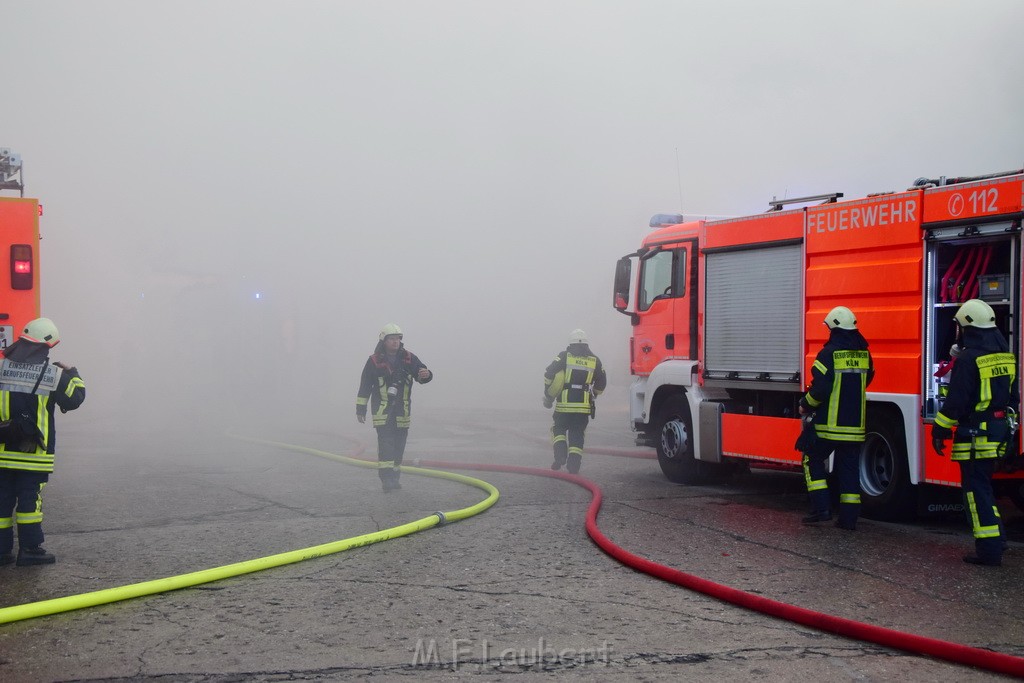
column 877, row 464
column 674, row 439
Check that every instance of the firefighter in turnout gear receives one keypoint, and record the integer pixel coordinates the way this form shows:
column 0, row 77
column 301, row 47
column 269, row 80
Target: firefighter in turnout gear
column 983, row 395
column 571, row 382
column 840, row 375
column 31, row 388
column 386, row 385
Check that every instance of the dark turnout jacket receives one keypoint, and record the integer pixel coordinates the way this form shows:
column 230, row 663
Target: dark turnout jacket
column 31, row 389
column 983, row 383
column 840, row 375
column 379, row 375
column 574, row 378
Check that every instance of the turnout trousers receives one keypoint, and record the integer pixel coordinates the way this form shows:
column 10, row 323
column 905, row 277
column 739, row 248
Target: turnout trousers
column 567, row 433
column 981, row 509
column 21, row 494
column 390, row 450
column 847, row 473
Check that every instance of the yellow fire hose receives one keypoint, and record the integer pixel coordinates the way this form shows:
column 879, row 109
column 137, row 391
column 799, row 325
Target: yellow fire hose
column 135, row 590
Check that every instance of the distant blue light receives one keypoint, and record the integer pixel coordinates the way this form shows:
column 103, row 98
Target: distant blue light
column 259, row 295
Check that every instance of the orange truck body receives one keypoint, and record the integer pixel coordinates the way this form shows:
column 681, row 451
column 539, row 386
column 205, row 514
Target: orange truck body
column 727, row 320
column 19, row 285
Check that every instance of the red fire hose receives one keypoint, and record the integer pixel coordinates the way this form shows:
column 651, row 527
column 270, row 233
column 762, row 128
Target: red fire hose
column 898, row 640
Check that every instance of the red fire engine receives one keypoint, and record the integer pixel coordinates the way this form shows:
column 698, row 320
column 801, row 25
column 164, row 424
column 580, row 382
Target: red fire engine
column 727, row 319
column 19, row 232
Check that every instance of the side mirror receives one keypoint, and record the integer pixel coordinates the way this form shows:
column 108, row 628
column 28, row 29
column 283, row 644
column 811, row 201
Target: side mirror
column 623, row 280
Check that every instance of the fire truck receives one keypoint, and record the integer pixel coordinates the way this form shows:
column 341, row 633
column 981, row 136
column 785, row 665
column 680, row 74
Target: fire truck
column 727, row 319
column 19, row 232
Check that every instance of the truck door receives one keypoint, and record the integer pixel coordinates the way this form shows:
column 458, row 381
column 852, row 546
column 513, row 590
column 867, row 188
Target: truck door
column 663, row 311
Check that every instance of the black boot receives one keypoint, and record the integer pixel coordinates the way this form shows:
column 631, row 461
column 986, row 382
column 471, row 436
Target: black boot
column 31, row 556
column 816, row 517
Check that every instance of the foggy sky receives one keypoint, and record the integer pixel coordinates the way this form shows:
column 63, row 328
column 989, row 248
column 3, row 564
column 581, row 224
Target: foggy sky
column 469, row 170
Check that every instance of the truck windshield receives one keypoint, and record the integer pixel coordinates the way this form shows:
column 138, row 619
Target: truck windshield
column 655, row 279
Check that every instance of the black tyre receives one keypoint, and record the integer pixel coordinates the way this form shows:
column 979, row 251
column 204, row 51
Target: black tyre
column 1014, row 490
column 674, row 440
column 886, row 491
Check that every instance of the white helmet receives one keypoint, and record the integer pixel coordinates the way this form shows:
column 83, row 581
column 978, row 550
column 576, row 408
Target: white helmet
column 976, row 313
column 389, row 330
column 41, row 331
column 578, row 336
column 841, row 317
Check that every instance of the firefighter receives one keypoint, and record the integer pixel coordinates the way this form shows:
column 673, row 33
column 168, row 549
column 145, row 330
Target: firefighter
column 835, row 402
column 31, row 387
column 571, row 382
column 386, row 384
column 983, row 394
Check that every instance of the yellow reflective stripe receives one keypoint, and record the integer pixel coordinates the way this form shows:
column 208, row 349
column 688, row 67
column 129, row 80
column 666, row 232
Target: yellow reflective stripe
column 851, row 438
column 38, row 456
column 26, row 466
column 558, row 438
column 5, row 405
column 29, row 517
column 988, row 531
column 75, row 383
column 43, row 420
column 6, row 522
column 360, row 401
column 839, row 429
column 947, row 422
column 811, row 401
column 812, row 484
column 819, row 366
column 850, row 498
column 575, row 449
column 833, row 399
column 385, row 464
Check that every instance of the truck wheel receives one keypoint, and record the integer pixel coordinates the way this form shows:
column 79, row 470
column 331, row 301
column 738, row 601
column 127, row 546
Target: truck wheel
column 1015, row 492
column 886, row 491
column 674, row 439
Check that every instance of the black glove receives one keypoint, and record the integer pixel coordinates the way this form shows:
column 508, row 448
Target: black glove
column 548, row 401
column 939, row 437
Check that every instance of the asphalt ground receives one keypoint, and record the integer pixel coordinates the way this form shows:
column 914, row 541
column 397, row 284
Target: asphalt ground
column 518, row 592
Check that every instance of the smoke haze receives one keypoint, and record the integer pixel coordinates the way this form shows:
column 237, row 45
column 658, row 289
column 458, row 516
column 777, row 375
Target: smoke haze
column 238, row 195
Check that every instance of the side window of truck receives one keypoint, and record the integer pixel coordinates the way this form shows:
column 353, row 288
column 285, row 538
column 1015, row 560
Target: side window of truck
column 662, row 277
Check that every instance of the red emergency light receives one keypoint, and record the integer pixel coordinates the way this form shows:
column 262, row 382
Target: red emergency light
column 21, row 266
